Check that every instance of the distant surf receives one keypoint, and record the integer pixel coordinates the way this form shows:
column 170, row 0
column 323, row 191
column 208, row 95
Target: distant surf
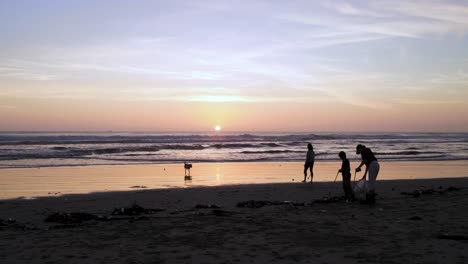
column 25, row 149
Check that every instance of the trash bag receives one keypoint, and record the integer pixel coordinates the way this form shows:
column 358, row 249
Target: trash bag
column 360, row 189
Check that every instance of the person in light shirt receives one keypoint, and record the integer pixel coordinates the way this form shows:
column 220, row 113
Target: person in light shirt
column 372, row 167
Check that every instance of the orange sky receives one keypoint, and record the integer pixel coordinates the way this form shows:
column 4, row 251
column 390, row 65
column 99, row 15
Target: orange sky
column 102, row 115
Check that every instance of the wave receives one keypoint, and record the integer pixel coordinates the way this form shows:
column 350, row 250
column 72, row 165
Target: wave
column 281, row 139
column 182, row 147
column 233, row 145
column 21, row 139
column 407, row 153
column 22, row 148
column 272, row 152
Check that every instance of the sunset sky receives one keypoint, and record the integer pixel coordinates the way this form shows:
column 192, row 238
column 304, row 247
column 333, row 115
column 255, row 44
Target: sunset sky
column 244, row 65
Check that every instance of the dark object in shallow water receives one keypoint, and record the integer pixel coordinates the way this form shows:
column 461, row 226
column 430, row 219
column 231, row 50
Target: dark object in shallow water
column 72, row 218
column 452, row 237
column 440, row 190
column 135, row 210
column 205, row 206
column 138, row 187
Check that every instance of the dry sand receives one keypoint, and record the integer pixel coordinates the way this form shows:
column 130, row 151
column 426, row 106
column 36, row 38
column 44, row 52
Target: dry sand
column 431, row 228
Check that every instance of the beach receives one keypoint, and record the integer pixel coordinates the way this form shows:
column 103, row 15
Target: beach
column 234, row 132
column 29, row 183
column 413, row 221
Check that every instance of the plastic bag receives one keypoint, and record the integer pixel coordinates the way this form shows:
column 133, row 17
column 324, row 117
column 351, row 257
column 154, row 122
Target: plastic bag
column 360, row 189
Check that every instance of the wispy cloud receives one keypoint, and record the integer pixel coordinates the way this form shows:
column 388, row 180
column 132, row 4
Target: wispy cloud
column 390, row 18
column 7, row 107
column 434, row 10
column 25, row 73
column 459, row 77
column 348, row 9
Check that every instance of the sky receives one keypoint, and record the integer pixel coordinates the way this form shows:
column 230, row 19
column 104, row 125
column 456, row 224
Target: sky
column 351, row 66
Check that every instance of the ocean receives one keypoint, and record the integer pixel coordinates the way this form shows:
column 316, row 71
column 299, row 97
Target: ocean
column 29, row 150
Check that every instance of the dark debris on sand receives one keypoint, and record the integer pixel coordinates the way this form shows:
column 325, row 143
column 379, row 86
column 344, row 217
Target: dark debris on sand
column 440, row 190
column 6, row 222
column 452, row 237
column 12, row 223
column 259, row 204
column 207, row 206
column 73, row 218
column 135, row 209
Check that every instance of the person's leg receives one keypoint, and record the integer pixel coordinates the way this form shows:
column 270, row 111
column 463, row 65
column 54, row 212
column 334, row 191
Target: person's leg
column 374, row 169
column 311, row 172
column 306, row 166
column 344, row 186
column 347, row 187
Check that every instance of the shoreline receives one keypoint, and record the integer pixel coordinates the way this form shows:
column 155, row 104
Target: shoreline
column 429, row 228
column 222, row 162
column 55, row 181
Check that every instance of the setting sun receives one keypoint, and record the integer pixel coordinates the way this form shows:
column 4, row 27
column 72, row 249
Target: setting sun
column 217, row 128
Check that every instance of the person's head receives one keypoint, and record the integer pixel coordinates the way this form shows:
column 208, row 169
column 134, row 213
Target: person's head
column 309, row 147
column 360, row 148
column 342, row 155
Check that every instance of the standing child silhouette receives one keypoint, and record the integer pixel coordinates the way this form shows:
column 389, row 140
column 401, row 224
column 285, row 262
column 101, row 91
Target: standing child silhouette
column 346, row 173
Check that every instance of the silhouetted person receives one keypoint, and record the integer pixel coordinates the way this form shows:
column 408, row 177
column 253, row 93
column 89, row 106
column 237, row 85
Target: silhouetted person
column 372, row 167
column 346, row 173
column 309, row 163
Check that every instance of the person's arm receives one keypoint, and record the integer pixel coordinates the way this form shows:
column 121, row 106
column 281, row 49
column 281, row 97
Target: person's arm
column 365, row 173
column 364, row 157
column 358, row 169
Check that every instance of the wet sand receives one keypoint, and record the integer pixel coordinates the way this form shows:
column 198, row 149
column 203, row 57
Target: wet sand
column 429, row 228
column 53, row 181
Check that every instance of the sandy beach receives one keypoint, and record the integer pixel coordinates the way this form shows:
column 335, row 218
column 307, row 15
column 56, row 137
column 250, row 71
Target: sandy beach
column 292, row 223
column 140, row 132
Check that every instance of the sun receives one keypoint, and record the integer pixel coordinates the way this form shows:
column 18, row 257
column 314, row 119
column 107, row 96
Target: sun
column 217, row 128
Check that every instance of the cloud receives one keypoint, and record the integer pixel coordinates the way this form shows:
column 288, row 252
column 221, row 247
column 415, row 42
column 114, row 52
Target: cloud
column 7, row 107
column 459, row 77
column 434, row 10
column 25, row 73
column 390, row 18
column 348, row 9
column 232, row 99
column 261, row 52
